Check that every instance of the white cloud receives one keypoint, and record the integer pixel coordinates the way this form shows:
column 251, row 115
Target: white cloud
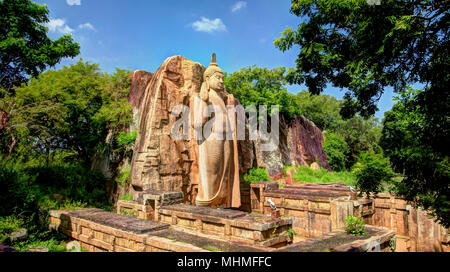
column 207, row 25
column 59, row 26
column 88, row 26
column 73, row 2
column 239, row 5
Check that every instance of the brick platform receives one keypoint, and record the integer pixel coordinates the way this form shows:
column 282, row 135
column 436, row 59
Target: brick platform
column 316, row 208
column 146, row 204
column 376, row 240
column 99, row 231
column 229, row 224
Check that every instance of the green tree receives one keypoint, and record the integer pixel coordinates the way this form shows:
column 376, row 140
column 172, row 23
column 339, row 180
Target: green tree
column 366, row 48
column 261, row 86
column 406, row 141
column 371, row 171
column 71, row 110
column 360, row 134
column 321, row 109
column 25, row 48
column 337, row 150
column 256, row 175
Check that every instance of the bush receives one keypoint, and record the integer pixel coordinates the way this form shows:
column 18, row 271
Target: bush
column 126, row 139
column 29, row 192
column 127, row 197
column 371, row 171
column 8, row 225
column 354, row 225
column 256, row 175
column 124, row 176
column 337, row 150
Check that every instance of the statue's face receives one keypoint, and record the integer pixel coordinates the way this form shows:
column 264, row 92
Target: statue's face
column 216, row 82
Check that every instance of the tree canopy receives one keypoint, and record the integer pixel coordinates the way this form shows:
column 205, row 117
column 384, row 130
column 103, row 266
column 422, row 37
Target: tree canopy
column 69, row 110
column 406, row 141
column 365, row 48
column 261, row 86
column 25, row 48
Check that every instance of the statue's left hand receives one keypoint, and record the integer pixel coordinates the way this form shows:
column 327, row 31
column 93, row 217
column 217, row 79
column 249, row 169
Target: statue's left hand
column 230, row 99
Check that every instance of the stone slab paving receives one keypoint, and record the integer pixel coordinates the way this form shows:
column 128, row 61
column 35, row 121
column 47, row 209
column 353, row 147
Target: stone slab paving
column 226, row 216
column 206, row 243
column 126, row 223
column 339, row 241
column 206, row 211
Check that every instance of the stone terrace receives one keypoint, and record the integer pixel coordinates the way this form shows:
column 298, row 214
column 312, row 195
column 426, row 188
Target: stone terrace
column 376, row 240
column 316, row 209
column 100, row 231
column 232, row 225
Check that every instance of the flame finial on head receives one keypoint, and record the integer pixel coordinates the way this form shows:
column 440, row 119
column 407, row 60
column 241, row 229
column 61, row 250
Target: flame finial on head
column 213, row 67
column 213, row 60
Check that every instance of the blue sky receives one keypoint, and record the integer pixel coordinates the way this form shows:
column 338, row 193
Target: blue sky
column 141, row 34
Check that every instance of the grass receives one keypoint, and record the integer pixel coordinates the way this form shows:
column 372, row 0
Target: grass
column 127, row 197
column 124, row 176
column 212, row 248
column 305, row 174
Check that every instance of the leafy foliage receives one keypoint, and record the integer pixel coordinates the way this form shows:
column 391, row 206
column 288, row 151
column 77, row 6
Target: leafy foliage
column 25, row 48
column 321, row 109
column 261, row 86
column 419, row 150
column 70, row 110
column 366, row 48
column 127, row 197
column 354, row 226
column 28, row 193
column 126, row 139
column 124, row 176
column 9, row 224
column 371, row 171
column 256, row 175
column 337, row 151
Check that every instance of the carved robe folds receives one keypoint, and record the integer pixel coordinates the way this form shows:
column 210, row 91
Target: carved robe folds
column 218, row 183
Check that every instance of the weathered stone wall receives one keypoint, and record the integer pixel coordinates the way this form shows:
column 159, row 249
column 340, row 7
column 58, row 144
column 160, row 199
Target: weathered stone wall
column 159, row 162
column 377, row 239
column 319, row 209
column 99, row 237
column 315, row 209
column 416, row 229
column 229, row 224
column 99, row 231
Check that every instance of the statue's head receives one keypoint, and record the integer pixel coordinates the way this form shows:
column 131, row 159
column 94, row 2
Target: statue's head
column 214, row 76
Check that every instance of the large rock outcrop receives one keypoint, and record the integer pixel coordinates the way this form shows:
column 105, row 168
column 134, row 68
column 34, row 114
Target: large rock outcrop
column 162, row 163
column 300, row 143
column 159, row 162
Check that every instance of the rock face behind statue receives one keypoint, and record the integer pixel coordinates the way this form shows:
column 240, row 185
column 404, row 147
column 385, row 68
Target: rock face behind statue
column 300, row 144
column 159, row 162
